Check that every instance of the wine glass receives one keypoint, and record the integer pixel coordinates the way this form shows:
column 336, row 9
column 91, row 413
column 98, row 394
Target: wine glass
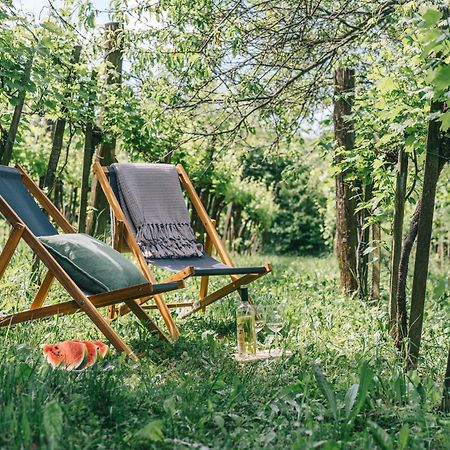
column 274, row 320
column 260, row 321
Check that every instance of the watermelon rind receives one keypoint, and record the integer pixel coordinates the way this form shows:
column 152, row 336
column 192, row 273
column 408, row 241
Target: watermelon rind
column 102, row 349
column 91, row 350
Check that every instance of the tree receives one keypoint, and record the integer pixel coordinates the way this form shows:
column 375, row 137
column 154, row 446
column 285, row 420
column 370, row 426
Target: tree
column 346, row 220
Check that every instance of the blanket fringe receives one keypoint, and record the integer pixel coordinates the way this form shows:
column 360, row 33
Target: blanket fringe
column 168, row 240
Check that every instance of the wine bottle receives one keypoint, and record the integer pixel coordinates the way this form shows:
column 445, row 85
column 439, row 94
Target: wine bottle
column 245, row 319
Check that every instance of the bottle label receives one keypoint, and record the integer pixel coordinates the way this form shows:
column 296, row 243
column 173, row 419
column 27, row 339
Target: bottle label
column 246, row 335
column 241, row 340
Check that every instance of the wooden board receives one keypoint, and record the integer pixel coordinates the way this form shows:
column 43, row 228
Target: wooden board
column 262, row 355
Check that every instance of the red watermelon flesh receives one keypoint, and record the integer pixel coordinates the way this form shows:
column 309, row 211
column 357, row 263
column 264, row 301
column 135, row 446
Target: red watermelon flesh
column 69, row 354
column 91, row 353
column 102, row 348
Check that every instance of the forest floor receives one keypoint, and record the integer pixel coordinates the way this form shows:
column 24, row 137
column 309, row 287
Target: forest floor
column 195, row 395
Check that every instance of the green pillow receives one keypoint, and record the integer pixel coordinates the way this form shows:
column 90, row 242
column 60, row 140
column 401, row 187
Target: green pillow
column 93, row 266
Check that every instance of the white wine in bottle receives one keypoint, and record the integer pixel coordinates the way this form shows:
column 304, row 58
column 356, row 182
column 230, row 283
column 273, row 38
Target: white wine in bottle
column 245, row 319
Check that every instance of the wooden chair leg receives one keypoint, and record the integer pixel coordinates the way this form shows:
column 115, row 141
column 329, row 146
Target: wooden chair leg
column 112, row 312
column 10, row 246
column 205, row 280
column 43, row 291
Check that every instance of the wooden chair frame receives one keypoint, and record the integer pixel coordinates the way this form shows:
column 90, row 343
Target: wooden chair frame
column 124, row 235
column 131, row 296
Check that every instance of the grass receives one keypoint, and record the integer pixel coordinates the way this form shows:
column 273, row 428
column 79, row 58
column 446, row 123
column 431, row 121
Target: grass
column 342, row 388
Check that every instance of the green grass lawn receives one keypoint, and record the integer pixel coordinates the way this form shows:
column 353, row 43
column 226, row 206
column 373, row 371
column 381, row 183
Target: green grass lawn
column 194, row 395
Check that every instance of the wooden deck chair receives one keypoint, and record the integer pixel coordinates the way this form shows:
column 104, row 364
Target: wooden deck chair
column 18, row 206
column 182, row 268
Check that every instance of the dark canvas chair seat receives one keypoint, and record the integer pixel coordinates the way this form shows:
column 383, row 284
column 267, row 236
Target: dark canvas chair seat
column 203, row 266
column 17, row 196
column 28, row 221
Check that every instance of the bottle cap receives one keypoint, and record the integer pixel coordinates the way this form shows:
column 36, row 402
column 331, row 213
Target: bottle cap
column 244, row 294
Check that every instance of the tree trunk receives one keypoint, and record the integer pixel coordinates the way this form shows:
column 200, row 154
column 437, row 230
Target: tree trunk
column 402, row 315
column 376, row 262
column 58, row 131
column 91, row 139
column 425, row 224
column 226, row 225
column 362, row 262
column 87, row 162
column 346, row 222
column 14, row 126
column 98, row 220
column 445, row 404
column 59, row 194
column 397, row 235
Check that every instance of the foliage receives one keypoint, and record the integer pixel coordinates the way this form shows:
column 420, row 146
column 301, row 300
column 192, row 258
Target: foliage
column 392, row 102
column 298, row 225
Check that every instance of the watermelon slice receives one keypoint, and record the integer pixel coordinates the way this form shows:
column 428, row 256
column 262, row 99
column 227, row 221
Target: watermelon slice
column 69, row 355
column 102, row 348
column 91, row 349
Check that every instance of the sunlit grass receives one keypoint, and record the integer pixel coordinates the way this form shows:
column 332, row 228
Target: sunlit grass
column 194, row 395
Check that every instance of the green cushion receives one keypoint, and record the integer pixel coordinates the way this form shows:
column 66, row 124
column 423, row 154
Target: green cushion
column 93, row 266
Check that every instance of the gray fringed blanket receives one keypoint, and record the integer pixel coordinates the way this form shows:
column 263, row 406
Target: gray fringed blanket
column 151, row 197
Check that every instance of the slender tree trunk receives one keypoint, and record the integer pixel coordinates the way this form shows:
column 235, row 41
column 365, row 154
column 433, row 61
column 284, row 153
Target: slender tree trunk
column 58, row 131
column 98, row 220
column 408, row 242
column 226, row 225
column 376, row 262
column 431, row 176
column 14, row 126
column 59, row 194
column 346, row 222
column 441, row 249
column 73, row 207
column 397, row 235
column 362, row 262
column 88, row 154
column 445, row 404
column 91, row 139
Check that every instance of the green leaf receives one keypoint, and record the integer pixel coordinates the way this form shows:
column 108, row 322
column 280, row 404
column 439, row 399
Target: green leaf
column 50, row 26
column 151, row 432
column 386, row 85
column 439, row 288
column 326, row 390
column 350, row 398
column 445, row 118
column 441, row 77
column 410, row 141
column 219, row 420
column 169, row 405
column 365, row 381
column 53, row 423
column 380, row 436
column 403, row 438
column 26, row 430
column 431, row 17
